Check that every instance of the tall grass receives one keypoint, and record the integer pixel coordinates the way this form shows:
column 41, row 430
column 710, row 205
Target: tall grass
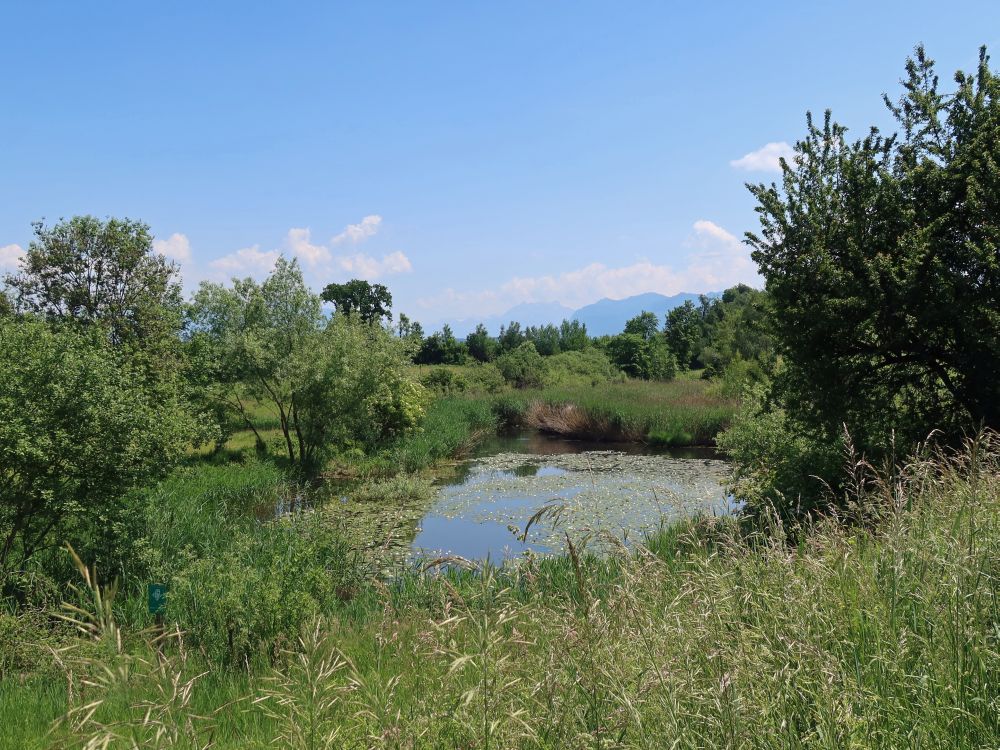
column 681, row 412
column 881, row 632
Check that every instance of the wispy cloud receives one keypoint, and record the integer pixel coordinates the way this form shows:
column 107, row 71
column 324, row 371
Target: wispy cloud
column 10, row 256
column 717, row 260
column 176, row 247
column 320, row 258
column 355, row 233
column 249, row 260
column 299, row 241
column 765, row 159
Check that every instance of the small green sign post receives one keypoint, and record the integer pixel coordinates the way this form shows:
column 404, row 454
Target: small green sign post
column 156, row 598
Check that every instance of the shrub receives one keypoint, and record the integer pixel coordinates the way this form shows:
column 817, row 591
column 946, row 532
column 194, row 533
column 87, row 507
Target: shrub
column 587, row 367
column 522, row 367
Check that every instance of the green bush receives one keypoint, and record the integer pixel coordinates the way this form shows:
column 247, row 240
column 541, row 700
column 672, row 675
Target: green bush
column 522, row 367
column 587, row 367
column 253, row 597
column 776, row 464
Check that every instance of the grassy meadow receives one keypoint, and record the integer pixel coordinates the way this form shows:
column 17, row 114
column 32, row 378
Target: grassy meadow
column 880, row 632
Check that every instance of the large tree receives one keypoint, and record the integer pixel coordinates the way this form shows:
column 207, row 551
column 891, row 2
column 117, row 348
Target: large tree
column 882, row 258
column 329, row 382
column 357, row 297
column 79, row 427
column 101, row 271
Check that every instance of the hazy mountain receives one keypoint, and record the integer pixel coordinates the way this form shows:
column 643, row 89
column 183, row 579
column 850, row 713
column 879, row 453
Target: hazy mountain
column 527, row 314
column 607, row 316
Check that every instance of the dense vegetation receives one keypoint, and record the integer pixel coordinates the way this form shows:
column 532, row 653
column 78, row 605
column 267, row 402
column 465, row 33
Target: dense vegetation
column 219, row 445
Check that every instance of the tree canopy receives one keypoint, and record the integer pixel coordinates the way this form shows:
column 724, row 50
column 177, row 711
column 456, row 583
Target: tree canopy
column 101, row 271
column 882, row 257
column 357, row 297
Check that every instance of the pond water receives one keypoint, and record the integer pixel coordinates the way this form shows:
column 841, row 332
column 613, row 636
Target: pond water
column 599, row 493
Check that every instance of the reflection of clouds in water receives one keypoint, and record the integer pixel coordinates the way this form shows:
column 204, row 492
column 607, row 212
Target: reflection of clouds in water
column 602, row 491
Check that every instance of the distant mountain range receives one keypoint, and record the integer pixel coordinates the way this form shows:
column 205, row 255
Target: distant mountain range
column 606, row 316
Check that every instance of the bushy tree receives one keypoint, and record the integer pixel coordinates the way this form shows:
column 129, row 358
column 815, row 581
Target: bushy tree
column 442, row 348
column 370, row 302
column 645, row 325
column 482, row 347
column 573, row 336
column 511, row 337
column 882, row 258
column 91, row 271
column 523, row 367
column 683, row 330
column 329, row 382
column 80, row 426
column 545, row 338
column 638, row 357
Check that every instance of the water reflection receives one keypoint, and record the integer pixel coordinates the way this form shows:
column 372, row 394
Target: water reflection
column 626, row 492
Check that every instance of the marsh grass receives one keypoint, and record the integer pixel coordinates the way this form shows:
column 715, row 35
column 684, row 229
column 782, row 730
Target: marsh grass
column 880, row 631
column 685, row 411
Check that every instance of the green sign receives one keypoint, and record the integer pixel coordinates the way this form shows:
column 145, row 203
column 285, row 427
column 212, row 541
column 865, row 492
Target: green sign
column 156, row 596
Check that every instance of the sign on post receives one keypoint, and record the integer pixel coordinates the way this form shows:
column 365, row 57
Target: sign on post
column 156, row 596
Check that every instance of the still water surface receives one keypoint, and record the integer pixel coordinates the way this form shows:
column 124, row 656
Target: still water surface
column 594, row 491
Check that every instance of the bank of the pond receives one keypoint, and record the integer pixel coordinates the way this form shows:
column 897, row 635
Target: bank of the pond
column 708, row 636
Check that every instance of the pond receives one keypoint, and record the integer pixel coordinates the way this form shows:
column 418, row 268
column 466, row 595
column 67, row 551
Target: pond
column 598, row 492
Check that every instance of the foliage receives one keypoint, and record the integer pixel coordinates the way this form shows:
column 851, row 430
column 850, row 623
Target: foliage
column 511, row 337
column 522, row 367
column 645, row 325
column 371, row 303
column 586, row 367
column 332, row 385
column 682, row 330
column 441, row 349
column 881, row 258
column 88, row 270
column 79, row 427
column 545, row 338
column 573, row 336
column 639, row 357
column 777, row 468
column 482, row 347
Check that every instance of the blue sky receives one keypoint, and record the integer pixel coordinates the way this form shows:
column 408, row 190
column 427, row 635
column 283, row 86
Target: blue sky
column 471, row 156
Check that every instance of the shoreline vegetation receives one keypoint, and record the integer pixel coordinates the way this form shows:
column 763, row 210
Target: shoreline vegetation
column 889, row 620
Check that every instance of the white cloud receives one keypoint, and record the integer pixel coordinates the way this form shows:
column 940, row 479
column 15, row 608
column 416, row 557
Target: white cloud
column 176, row 247
column 718, row 260
column 299, row 242
column 320, row 258
column 766, row 158
column 10, row 256
column 364, row 266
column 355, row 233
column 249, row 260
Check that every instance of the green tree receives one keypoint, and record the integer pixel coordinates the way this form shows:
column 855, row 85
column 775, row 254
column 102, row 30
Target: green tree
column 79, row 427
column 93, row 271
column 645, row 324
column 682, row 330
column 573, row 336
column 482, row 347
column 882, row 258
column 511, row 337
column 442, row 348
column 331, row 383
column 523, row 367
column 370, row 302
column 545, row 338
column 638, row 357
